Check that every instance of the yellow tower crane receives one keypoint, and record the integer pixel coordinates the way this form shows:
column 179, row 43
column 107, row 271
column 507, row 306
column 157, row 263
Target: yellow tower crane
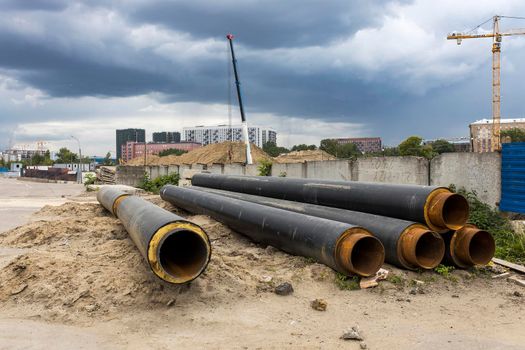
column 496, row 36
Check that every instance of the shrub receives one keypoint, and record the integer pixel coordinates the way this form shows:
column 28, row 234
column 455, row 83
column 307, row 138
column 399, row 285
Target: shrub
column 265, row 168
column 155, row 185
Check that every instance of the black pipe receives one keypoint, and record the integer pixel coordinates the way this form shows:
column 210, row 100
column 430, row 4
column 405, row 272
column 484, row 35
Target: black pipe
column 176, row 250
column 346, row 248
column 468, row 246
column 438, row 207
column 407, row 244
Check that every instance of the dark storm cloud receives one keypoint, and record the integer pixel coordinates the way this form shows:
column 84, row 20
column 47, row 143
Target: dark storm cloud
column 263, row 24
column 34, row 5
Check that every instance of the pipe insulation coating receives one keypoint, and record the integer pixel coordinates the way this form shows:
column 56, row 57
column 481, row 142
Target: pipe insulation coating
column 176, row 250
column 468, row 246
column 407, row 244
column 438, row 207
column 346, row 248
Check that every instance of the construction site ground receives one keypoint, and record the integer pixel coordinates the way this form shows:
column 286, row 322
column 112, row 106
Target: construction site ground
column 71, row 278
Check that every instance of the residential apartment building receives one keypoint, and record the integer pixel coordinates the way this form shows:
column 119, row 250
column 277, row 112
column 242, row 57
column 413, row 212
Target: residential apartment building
column 166, row 137
column 481, row 132
column 125, row 135
column 221, row 133
column 364, row 144
column 21, row 154
column 133, row 149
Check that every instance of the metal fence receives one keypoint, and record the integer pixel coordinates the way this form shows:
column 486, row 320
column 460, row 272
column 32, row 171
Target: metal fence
column 513, row 177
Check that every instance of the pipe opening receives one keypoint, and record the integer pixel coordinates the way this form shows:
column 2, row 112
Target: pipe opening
column 481, row 248
column 184, row 255
column 367, row 256
column 430, row 249
column 455, row 211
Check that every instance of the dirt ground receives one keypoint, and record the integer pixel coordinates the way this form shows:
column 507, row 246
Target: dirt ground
column 71, row 277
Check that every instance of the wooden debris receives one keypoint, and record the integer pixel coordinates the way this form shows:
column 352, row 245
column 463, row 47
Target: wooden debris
column 517, row 281
column 515, row 267
column 501, row 275
column 369, row 282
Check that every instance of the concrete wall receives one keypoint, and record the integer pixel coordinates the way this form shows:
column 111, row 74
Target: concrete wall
column 129, row 175
column 480, row 172
column 329, row 170
column 289, row 169
column 400, row 170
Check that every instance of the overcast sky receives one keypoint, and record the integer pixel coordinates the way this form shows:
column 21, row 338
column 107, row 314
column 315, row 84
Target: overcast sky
column 309, row 69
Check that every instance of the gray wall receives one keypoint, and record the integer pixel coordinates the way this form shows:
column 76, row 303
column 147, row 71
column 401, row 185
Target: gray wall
column 474, row 171
column 480, row 172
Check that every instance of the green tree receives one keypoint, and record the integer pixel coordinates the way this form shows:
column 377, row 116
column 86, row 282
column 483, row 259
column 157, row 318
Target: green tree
column 273, row 150
column 304, row 147
column 413, row 146
column 65, row 156
column 107, row 159
column 347, row 150
column 171, row 151
column 442, row 146
column 514, row 134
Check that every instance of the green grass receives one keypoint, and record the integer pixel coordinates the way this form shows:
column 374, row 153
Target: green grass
column 444, row 270
column 346, row 282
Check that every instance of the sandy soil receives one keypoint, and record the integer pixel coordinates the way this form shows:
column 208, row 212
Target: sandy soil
column 73, row 278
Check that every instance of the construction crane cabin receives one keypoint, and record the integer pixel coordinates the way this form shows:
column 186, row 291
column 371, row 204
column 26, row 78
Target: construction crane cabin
column 496, row 36
column 239, row 97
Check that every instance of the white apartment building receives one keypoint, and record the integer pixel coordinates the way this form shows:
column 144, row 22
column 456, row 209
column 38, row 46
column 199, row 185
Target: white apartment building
column 220, row 133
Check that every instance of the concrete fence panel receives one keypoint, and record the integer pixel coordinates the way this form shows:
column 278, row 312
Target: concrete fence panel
column 129, row 175
column 480, row 172
column 251, row 169
column 173, row 169
column 215, row 168
column 400, row 170
column 233, row 169
column 289, row 169
column 329, row 170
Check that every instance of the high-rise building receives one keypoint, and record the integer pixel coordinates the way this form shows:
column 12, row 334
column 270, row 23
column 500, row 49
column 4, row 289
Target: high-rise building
column 125, row 135
column 481, row 132
column 132, row 149
column 166, row 137
column 220, row 133
column 364, row 144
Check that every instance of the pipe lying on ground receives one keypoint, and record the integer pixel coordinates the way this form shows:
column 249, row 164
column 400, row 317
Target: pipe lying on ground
column 438, row 207
column 176, row 250
column 346, row 248
column 468, row 246
column 407, row 244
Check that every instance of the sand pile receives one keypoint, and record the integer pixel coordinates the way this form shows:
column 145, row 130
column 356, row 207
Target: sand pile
column 223, row 153
column 150, row 160
column 304, row 156
column 77, row 262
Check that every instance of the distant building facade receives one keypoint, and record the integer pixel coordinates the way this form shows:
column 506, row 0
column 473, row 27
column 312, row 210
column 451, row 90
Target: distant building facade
column 221, row 133
column 364, row 144
column 461, row 144
column 166, row 137
column 481, row 132
column 125, row 135
column 133, row 149
column 21, row 154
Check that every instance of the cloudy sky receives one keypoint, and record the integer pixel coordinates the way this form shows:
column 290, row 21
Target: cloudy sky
column 310, row 69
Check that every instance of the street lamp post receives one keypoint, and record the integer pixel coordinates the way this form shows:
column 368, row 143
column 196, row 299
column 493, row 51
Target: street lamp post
column 79, row 171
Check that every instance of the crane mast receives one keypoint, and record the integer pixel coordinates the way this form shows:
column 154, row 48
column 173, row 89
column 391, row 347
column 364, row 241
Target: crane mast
column 496, row 36
column 241, row 107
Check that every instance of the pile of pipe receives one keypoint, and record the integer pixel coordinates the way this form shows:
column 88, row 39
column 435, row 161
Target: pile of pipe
column 352, row 227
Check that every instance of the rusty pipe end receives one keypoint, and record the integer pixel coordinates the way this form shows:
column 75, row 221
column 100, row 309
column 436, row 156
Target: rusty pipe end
column 179, row 252
column 445, row 210
column 358, row 252
column 471, row 246
column 420, row 247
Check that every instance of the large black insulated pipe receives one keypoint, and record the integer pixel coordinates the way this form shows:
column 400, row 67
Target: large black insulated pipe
column 176, row 250
column 346, row 248
column 468, row 246
column 438, row 207
column 407, row 244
